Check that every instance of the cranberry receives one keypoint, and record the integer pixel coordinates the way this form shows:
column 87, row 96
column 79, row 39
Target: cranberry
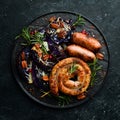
column 32, row 33
column 29, row 70
column 50, row 56
column 84, row 32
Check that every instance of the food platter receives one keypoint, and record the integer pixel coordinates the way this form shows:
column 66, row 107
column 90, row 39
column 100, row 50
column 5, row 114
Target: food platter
column 42, row 94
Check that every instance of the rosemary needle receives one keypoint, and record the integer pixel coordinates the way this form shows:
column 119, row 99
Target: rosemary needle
column 73, row 68
column 95, row 67
column 32, row 39
column 79, row 21
column 64, row 99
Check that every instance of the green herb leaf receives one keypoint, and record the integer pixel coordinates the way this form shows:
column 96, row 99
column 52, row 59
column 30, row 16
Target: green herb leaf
column 79, row 21
column 39, row 38
column 24, row 44
column 32, row 39
column 17, row 37
column 95, row 67
column 26, row 35
column 63, row 99
column 73, row 68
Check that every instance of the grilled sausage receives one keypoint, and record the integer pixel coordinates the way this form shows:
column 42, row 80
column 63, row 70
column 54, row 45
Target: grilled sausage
column 86, row 41
column 78, row 51
column 61, row 78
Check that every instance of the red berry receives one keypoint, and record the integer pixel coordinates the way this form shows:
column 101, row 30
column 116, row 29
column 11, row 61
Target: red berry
column 50, row 56
column 29, row 70
column 32, row 32
column 84, row 32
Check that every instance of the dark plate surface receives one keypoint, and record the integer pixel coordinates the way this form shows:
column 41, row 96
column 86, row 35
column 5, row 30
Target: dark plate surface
column 33, row 92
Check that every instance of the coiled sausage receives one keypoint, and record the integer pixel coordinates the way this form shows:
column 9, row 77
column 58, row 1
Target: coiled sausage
column 61, row 78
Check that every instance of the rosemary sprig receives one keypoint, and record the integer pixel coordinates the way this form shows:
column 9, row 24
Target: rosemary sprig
column 39, row 38
column 26, row 35
column 95, row 67
column 73, row 68
column 79, row 21
column 32, row 39
column 63, row 99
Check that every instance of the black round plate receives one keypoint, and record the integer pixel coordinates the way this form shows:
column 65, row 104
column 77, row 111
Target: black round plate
column 33, row 92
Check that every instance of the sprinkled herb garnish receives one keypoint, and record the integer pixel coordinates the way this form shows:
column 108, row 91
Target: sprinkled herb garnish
column 95, row 67
column 26, row 35
column 38, row 38
column 63, row 99
column 73, row 68
column 79, row 21
column 31, row 39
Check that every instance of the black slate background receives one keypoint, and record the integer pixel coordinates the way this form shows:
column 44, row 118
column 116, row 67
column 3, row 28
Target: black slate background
column 15, row 104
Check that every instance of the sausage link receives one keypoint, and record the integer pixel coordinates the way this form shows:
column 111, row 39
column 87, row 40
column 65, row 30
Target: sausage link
column 86, row 41
column 78, row 51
